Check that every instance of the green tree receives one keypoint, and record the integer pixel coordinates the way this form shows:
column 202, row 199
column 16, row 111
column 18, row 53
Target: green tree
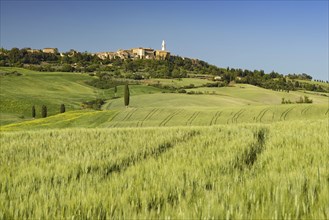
column 115, row 91
column 62, row 109
column 33, row 111
column 44, row 111
column 126, row 95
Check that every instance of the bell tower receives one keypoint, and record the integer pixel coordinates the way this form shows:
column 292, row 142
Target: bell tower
column 163, row 48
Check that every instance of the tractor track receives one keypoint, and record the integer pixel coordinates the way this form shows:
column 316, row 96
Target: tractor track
column 192, row 118
column 215, row 118
column 303, row 112
column 149, row 115
column 236, row 116
column 169, row 117
column 261, row 114
column 285, row 113
column 129, row 114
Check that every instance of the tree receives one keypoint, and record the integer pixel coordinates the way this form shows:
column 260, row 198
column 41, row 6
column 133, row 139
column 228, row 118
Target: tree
column 62, row 109
column 44, row 111
column 33, row 111
column 115, row 91
column 126, row 95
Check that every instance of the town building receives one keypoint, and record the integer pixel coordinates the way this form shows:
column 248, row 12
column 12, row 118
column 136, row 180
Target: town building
column 143, row 53
column 33, row 50
column 137, row 53
column 50, row 50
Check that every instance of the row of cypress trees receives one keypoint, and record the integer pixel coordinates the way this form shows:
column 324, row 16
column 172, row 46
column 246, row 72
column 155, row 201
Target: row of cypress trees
column 44, row 110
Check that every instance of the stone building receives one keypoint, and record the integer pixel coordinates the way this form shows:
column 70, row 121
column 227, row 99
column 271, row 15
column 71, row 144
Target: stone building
column 33, row 50
column 137, row 53
column 162, row 55
column 106, row 55
column 50, row 50
column 143, row 53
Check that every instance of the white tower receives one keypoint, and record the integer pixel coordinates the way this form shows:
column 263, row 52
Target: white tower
column 163, row 45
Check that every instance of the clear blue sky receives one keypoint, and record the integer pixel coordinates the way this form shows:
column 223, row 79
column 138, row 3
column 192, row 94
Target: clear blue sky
column 285, row 36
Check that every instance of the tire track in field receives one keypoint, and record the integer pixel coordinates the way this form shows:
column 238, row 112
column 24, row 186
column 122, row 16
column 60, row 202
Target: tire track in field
column 326, row 112
column 235, row 116
column 262, row 114
column 129, row 114
column 259, row 115
column 131, row 160
column 285, row 113
column 303, row 112
column 215, row 118
column 238, row 115
column 169, row 117
column 192, row 118
column 149, row 115
column 114, row 124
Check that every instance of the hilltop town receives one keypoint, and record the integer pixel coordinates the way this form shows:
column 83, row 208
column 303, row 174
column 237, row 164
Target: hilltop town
column 133, row 53
column 145, row 63
column 139, row 53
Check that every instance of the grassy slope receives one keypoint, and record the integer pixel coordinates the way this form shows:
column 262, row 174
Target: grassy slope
column 177, row 172
column 148, row 107
column 19, row 93
column 178, row 116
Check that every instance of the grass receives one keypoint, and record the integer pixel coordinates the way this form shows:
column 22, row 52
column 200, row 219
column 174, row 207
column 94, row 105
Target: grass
column 232, row 152
column 177, row 83
column 19, row 93
column 175, row 116
column 176, row 172
column 256, row 95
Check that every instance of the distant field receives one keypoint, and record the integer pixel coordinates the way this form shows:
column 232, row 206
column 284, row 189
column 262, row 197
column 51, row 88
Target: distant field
column 179, row 116
column 178, row 82
column 19, row 93
column 257, row 95
column 323, row 84
column 244, row 171
column 149, row 106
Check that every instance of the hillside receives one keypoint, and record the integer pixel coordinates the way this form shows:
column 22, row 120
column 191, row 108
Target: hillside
column 169, row 154
column 150, row 106
column 19, row 93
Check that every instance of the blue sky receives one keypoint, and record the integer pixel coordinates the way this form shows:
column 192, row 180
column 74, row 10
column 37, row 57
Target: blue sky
column 285, row 36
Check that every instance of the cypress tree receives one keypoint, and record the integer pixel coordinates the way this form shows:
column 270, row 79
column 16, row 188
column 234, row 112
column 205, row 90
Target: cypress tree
column 127, row 95
column 115, row 91
column 33, row 111
column 62, row 109
column 44, row 111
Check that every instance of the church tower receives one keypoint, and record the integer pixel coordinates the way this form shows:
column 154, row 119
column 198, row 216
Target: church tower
column 163, row 46
column 162, row 54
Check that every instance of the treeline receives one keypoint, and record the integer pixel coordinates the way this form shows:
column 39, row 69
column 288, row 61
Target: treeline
column 44, row 111
column 73, row 61
column 279, row 82
column 137, row 69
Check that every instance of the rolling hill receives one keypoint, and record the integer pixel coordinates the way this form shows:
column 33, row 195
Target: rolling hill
column 169, row 155
column 149, row 106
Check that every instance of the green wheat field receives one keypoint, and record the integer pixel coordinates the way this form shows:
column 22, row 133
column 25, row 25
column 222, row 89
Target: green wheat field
column 228, row 153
